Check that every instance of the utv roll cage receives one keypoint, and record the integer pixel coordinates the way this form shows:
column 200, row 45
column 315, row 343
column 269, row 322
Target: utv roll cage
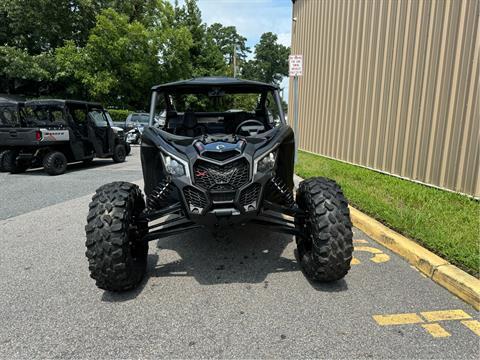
column 208, row 85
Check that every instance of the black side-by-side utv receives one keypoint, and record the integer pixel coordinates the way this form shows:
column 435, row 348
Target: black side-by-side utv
column 56, row 132
column 224, row 157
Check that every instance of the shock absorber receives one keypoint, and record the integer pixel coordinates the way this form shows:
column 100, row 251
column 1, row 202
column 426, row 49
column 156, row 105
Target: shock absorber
column 282, row 191
column 158, row 198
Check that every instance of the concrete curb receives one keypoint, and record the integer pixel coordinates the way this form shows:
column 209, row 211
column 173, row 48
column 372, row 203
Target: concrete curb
column 458, row 282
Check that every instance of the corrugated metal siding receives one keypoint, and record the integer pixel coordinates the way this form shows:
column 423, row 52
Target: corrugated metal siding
column 392, row 85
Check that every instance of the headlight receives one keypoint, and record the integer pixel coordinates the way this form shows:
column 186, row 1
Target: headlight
column 266, row 163
column 174, row 166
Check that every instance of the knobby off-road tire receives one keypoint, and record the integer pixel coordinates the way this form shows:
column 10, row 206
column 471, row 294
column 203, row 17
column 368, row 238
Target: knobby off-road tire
column 325, row 252
column 116, row 260
column 2, row 169
column 119, row 153
column 10, row 163
column 55, row 163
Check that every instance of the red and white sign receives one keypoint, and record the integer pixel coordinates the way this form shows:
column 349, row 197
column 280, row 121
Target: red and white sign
column 295, row 65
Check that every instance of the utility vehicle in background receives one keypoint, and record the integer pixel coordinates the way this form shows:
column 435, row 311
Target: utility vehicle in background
column 56, row 132
column 224, row 157
column 11, row 116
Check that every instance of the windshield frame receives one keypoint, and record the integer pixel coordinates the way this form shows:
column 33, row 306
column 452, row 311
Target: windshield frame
column 166, row 95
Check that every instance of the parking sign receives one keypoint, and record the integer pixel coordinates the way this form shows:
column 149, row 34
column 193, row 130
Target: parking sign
column 295, row 65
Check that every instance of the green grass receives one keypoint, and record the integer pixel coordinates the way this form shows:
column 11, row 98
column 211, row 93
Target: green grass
column 444, row 222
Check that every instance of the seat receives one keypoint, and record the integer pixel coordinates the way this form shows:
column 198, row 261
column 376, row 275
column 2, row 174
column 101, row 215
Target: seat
column 188, row 128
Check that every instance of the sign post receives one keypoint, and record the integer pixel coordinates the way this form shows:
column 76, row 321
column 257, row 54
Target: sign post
column 295, row 69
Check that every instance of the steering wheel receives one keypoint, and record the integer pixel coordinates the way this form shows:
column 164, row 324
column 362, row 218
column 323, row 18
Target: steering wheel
column 250, row 127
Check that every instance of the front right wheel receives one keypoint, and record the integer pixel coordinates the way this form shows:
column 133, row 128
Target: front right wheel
column 325, row 247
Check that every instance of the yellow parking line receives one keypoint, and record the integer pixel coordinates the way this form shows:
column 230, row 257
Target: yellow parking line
column 354, row 261
column 397, row 319
column 432, row 316
column 380, row 258
column 436, row 330
column 473, row 325
column 360, row 241
column 368, row 249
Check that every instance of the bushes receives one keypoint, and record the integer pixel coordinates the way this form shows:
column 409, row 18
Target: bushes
column 119, row 114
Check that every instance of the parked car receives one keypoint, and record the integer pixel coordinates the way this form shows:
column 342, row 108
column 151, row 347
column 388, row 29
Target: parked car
column 212, row 167
column 11, row 116
column 136, row 123
column 56, row 132
column 136, row 119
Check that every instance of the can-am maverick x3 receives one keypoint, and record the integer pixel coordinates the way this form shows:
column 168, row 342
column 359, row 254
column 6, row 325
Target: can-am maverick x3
column 224, row 156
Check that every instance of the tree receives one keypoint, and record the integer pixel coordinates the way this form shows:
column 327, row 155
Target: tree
column 42, row 25
column 225, row 38
column 123, row 59
column 206, row 57
column 270, row 63
column 18, row 68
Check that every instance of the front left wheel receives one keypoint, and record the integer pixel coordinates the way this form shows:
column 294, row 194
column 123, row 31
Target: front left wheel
column 325, row 249
column 117, row 258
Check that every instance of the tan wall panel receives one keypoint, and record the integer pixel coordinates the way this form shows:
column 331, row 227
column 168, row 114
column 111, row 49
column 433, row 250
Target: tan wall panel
column 392, row 85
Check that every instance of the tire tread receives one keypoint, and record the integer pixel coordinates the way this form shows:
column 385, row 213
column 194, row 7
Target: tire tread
column 331, row 230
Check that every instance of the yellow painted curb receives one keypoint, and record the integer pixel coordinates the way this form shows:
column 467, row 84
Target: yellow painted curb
column 457, row 281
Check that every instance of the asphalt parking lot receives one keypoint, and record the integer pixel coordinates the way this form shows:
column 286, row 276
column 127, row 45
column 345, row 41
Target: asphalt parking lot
column 239, row 297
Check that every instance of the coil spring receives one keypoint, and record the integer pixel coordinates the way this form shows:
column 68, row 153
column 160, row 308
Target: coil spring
column 283, row 191
column 158, row 197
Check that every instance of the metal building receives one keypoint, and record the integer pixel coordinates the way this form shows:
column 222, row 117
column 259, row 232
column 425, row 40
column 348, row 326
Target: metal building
column 392, row 85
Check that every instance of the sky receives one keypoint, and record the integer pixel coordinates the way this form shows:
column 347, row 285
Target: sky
column 252, row 18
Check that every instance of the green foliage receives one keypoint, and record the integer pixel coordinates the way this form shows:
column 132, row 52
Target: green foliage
column 17, row 63
column 113, row 51
column 40, row 25
column 119, row 115
column 205, row 56
column 444, row 222
column 226, row 38
column 270, row 64
column 121, row 59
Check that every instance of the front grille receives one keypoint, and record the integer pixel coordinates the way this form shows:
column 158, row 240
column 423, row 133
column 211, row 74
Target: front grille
column 194, row 197
column 250, row 194
column 230, row 176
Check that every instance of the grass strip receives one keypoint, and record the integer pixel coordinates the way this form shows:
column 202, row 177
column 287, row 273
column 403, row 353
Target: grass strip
column 444, row 222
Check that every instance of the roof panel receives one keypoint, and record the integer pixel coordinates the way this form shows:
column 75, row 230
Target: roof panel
column 224, row 82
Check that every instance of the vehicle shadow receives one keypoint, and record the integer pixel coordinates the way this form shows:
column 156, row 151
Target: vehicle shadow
column 246, row 255
column 73, row 167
